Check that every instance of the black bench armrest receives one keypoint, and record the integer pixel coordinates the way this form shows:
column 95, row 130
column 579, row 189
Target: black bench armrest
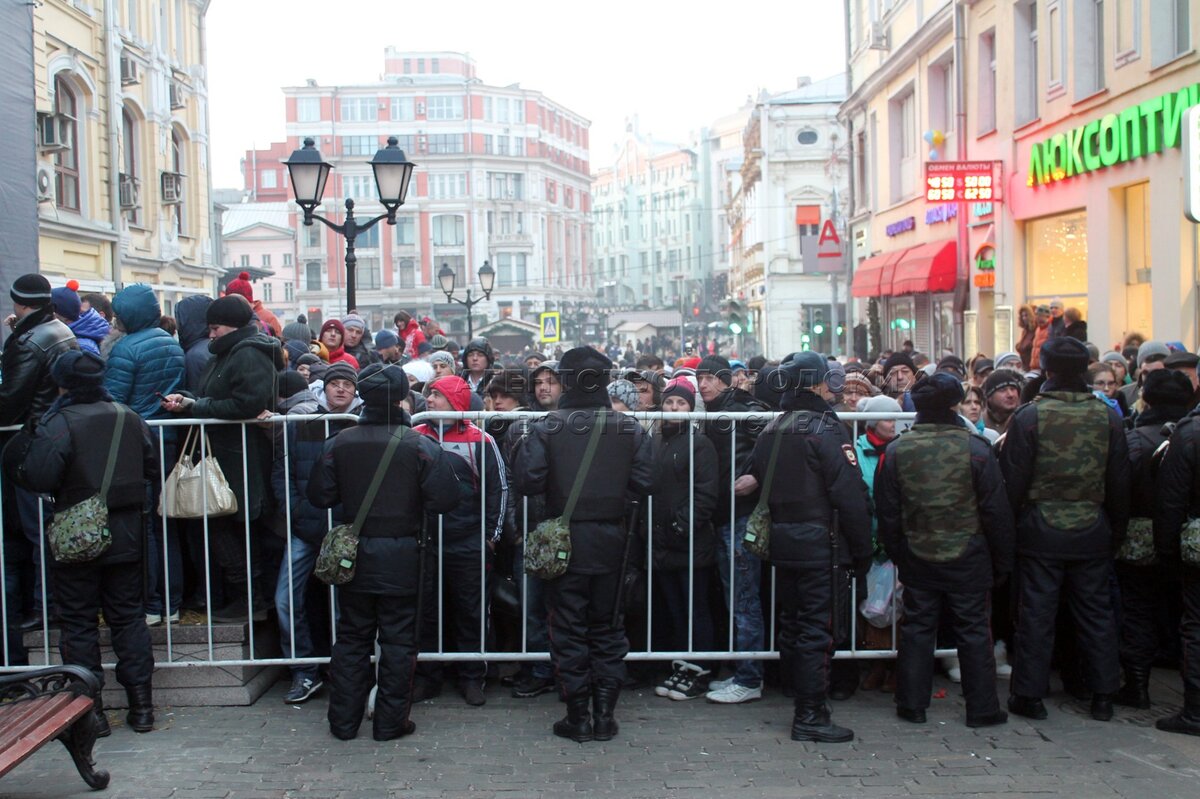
column 55, row 679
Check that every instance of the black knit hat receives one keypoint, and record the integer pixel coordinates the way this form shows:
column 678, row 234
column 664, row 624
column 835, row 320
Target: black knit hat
column 31, row 290
column 802, row 370
column 77, row 369
column 1167, row 387
column 341, row 371
column 717, row 366
column 1002, row 378
column 937, row 393
column 511, row 381
column 584, row 370
column 954, row 365
column 1065, row 355
column 291, row 382
column 232, row 310
column 899, row 359
column 382, row 385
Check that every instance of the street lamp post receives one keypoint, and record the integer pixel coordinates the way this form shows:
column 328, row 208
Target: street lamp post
column 487, row 281
column 309, row 172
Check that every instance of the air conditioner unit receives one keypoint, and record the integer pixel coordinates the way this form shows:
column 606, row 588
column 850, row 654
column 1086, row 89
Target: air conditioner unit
column 127, row 188
column 421, row 108
column 172, row 188
column 45, row 182
column 129, row 70
column 54, row 132
column 879, row 37
column 175, row 94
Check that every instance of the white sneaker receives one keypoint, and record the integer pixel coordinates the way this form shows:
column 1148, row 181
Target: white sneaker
column 953, row 670
column 153, row 619
column 720, row 685
column 734, row 694
column 1002, row 668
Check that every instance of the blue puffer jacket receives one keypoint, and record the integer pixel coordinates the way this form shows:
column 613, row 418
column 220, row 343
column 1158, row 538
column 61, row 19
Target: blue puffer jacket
column 90, row 329
column 147, row 359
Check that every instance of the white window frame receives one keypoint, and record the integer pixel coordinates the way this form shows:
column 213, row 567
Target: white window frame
column 402, row 109
column 308, row 109
column 985, row 108
column 1090, row 63
column 1056, row 52
column 1025, row 56
column 1133, row 53
column 444, row 107
column 1165, row 30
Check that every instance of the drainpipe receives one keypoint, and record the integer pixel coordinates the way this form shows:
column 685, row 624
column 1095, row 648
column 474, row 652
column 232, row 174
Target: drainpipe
column 113, row 59
column 962, row 292
column 218, row 243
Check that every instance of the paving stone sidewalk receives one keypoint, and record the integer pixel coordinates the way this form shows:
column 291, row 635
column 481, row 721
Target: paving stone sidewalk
column 665, row 749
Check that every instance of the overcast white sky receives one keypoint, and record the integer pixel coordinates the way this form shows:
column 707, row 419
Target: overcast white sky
column 677, row 65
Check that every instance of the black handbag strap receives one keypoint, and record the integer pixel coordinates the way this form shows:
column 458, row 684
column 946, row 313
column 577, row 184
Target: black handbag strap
column 770, row 478
column 111, row 466
column 377, row 480
column 581, row 476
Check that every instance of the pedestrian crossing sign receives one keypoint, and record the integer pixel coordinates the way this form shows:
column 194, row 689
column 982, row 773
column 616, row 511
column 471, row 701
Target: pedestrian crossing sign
column 550, row 327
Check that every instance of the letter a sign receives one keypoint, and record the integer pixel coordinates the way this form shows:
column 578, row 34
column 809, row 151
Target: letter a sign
column 550, row 327
column 829, row 249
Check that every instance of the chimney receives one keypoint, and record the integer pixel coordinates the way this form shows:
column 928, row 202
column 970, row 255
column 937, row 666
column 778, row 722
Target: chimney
column 803, row 81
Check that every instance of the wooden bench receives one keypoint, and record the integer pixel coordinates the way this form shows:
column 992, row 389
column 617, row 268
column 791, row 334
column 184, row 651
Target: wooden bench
column 38, row 706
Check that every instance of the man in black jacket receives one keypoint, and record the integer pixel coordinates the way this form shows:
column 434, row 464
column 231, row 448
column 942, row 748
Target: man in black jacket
column 737, row 494
column 381, row 600
column 67, row 456
column 26, row 392
column 586, row 646
column 1065, row 465
column 945, row 522
column 822, row 482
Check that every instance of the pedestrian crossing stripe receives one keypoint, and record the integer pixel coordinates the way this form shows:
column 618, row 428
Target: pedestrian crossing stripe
column 550, row 327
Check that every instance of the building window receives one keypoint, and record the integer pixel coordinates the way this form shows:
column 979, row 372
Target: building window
column 448, row 231
column 402, row 109
column 1170, row 30
column 287, row 259
column 368, row 239
column 244, row 261
column 66, row 161
column 941, row 95
column 434, row 66
column 902, row 120
column 131, row 16
column 180, row 19
column 289, row 292
column 266, row 292
column 444, row 107
column 312, row 236
column 445, row 143
column 1025, row 55
column 459, row 264
column 1056, row 259
column 179, row 165
column 267, row 178
column 807, row 136
column 366, row 274
column 987, row 82
column 266, row 260
column 1138, row 301
column 359, row 145
column 408, row 273
column 510, row 269
column 129, row 160
column 506, row 186
column 308, row 109
column 312, row 276
column 1056, row 45
column 1129, row 30
column 1089, row 48
column 361, row 187
column 404, row 231
column 448, row 185
column 359, row 109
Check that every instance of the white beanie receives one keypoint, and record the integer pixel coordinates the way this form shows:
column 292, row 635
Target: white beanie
column 879, row 404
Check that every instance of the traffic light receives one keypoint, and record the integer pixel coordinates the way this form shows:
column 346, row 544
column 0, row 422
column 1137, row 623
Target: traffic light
column 695, row 310
column 818, row 325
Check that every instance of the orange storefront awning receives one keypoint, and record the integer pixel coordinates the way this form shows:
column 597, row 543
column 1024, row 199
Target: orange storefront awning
column 929, row 267
column 873, row 278
column 808, row 214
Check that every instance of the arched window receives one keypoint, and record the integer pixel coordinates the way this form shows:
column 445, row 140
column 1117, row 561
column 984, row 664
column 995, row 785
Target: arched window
column 66, row 161
column 130, row 170
column 178, row 162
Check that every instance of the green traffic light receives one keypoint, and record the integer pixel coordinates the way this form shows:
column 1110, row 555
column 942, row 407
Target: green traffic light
column 805, row 339
column 735, row 328
column 819, row 329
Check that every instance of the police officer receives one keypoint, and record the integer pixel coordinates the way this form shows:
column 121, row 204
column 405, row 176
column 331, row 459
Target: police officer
column 1146, row 587
column 1178, row 505
column 381, row 600
column 586, row 646
column 945, row 522
column 1065, row 462
column 823, row 479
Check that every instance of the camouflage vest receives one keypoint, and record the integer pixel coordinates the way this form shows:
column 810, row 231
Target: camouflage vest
column 1071, row 459
column 941, row 513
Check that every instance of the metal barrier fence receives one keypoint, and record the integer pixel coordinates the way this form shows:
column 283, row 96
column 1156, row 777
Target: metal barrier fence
column 435, row 650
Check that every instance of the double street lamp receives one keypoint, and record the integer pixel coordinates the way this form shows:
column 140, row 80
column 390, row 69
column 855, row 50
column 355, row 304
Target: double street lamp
column 309, row 173
column 487, row 281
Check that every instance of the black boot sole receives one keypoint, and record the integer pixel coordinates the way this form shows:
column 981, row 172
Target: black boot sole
column 605, row 733
column 821, row 737
column 1177, row 725
column 573, row 733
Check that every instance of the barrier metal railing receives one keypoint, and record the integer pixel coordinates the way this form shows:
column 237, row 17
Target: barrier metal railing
column 274, row 427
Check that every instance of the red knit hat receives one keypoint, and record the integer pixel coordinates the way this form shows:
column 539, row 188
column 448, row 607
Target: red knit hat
column 241, row 285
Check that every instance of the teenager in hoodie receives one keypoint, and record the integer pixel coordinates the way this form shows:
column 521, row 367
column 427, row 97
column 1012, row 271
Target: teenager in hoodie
column 482, row 479
column 477, row 361
column 89, row 326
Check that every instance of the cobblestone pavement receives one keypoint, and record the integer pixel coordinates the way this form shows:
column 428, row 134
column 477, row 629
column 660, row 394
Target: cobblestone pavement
column 665, row 749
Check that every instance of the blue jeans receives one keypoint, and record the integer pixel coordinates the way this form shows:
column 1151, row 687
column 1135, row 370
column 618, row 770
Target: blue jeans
column 537, row 633
column 296, row 641
column 748, row 627
column 156, row 577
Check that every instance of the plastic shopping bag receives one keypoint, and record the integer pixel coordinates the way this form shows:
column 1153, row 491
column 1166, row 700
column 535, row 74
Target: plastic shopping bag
column 883, row 594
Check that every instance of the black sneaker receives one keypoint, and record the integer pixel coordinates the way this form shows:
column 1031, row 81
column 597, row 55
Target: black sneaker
column 692, row 684
column 472, row 692
column 302, row 690
column 528, row 686
column 665, row 687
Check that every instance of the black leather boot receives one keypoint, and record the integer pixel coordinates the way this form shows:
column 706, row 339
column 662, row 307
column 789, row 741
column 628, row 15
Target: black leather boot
column 578, row 724
column 102, row 728
column 1136, row 690
column 1186, row 721
column 604, row 701
column 1102, row 707
column 812, row 723
column 141, row 708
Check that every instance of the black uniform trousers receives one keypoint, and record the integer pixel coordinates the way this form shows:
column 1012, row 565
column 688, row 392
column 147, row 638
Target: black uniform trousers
column 1142, row 606
column 462, row 588
column 1089, row 597
column 1189, row 627
column 362, row 617
column 82, row 591
column 585, row 646
column 970, row 617
column 806, row 629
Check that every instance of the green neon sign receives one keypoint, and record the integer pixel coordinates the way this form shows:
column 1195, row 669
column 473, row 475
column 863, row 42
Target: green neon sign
column 1150, row 127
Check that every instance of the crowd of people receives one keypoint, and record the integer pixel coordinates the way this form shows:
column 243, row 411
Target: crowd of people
column 1055, row 479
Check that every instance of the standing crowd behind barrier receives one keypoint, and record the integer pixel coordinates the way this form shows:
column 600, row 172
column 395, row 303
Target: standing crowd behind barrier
column 837, row 507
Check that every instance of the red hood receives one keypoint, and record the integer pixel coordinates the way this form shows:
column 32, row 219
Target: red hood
column 454, row 389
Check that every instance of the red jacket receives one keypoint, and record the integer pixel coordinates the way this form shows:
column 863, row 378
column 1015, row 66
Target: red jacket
column 412, row 337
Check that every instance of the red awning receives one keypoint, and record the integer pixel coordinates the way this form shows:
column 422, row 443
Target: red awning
column 808, row 214
column 929, row 267
column 873, row 278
